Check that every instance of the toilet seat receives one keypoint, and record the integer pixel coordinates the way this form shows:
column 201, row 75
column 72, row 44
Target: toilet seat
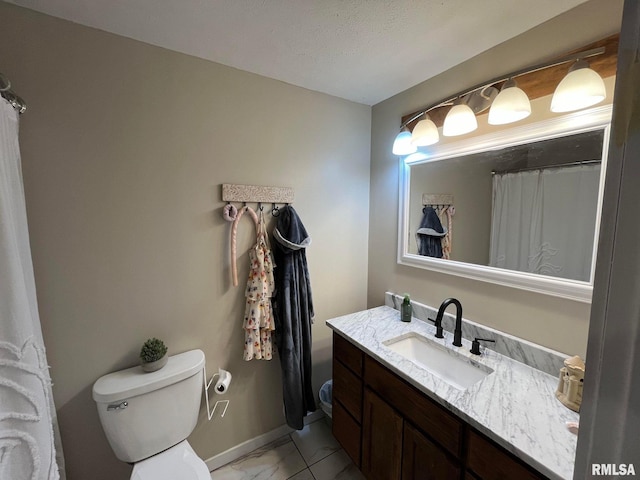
column 178, row 462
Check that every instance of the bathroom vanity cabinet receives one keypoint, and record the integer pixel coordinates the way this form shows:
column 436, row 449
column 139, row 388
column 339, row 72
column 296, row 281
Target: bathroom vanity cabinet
column 393, row 431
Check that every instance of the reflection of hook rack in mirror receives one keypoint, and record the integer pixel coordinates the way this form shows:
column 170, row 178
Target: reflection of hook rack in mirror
column 442, row 203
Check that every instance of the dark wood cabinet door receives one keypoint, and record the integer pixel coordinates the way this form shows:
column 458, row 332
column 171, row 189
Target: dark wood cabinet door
column 415, row 407
column 424, row 460
column 381, row 439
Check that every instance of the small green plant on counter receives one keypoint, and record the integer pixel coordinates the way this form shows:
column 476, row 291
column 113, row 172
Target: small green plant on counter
column 152, row 350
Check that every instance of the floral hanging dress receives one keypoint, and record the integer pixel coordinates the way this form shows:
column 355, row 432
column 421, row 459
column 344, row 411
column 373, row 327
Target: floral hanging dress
column 258, row 318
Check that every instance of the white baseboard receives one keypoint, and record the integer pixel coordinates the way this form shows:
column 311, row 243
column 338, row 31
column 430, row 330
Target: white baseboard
column 250, row 445
column 313, row 416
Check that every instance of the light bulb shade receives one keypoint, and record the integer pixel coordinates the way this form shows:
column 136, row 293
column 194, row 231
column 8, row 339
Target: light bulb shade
column 580, row 88
column 425, row 133
column 402, row 144
column 459, row 120
column 511, row 105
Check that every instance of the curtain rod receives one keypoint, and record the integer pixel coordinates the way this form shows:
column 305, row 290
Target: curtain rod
column 10, row 96
column 546, row 167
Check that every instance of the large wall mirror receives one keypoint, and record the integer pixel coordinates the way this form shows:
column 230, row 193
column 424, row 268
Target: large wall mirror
column 520, row 207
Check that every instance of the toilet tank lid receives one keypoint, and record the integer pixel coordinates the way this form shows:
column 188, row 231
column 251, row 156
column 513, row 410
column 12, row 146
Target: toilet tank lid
column 123, row 384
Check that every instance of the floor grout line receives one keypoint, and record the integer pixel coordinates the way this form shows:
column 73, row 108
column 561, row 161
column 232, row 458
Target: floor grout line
column 304, row 459
column 298, row 449
column 301, row 456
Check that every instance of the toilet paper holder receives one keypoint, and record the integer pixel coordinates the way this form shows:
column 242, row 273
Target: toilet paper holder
column 221, row 386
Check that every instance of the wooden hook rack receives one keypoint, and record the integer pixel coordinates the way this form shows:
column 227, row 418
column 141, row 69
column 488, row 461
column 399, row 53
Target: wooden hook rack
column 256, row 193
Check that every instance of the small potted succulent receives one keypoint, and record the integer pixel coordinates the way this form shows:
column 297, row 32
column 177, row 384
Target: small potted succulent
column 153, row 355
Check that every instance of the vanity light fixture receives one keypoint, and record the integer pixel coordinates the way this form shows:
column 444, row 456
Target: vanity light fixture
column 581, row 88
column 425, row 133
column 511, row 105
column 402, row 144
column 459, row 120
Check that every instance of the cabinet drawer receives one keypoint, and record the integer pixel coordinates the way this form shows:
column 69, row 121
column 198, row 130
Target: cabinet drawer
column 490, row 461
column 431, row 418
column 347, row 432
column 347, row 389
column 348, row 354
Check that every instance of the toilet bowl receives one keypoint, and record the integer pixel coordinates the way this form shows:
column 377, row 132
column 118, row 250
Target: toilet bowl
column 177, row 463
column 148, row 416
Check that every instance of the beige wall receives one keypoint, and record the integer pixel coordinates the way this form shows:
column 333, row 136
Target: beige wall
column 124, row 149
column 553, row 322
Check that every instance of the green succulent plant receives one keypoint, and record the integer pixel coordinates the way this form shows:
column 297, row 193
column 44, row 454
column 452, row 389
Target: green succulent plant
column 152, row 350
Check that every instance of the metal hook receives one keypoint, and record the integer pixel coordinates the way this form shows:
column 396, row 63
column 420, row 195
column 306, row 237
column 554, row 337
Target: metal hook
column 275, row 211
column 260, row 207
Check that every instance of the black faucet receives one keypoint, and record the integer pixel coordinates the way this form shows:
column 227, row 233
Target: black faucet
column 457, row 332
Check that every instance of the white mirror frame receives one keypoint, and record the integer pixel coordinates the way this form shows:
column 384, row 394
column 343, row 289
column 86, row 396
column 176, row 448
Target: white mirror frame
column 587, row 120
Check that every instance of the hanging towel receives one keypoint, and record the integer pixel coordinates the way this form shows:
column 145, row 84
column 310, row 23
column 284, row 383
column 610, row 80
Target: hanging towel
column 444, row 214
column 258, row 317
column 293, row 310
column 234, row 229
column 429, row 234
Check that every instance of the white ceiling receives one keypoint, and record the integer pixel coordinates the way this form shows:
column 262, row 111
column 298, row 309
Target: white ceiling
column 361, row 50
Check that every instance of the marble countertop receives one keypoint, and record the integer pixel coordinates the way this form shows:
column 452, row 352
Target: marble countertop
column 515, row 405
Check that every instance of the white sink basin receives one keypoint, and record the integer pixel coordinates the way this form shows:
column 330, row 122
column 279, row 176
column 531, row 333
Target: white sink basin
column 442, row 362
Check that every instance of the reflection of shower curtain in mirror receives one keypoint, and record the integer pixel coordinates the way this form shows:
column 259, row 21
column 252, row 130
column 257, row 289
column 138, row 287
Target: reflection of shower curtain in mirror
column 543, row 221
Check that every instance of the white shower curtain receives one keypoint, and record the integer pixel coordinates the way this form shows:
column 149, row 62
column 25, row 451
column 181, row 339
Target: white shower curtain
column 543, row 221
column 28, row 431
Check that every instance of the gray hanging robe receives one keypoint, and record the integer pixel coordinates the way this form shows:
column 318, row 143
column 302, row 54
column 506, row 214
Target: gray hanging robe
column 293, row 313
column 430, row 233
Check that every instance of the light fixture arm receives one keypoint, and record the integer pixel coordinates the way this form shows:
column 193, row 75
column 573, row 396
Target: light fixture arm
column 534, row 68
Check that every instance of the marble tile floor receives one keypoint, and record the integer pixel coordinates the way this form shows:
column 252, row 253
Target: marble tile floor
column 308, row 454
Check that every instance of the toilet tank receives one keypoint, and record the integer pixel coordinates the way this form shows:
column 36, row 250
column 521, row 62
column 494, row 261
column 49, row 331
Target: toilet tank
column 145, row 413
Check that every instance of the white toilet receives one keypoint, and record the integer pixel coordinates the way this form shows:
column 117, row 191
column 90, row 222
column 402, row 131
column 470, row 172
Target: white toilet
column 148, row 416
